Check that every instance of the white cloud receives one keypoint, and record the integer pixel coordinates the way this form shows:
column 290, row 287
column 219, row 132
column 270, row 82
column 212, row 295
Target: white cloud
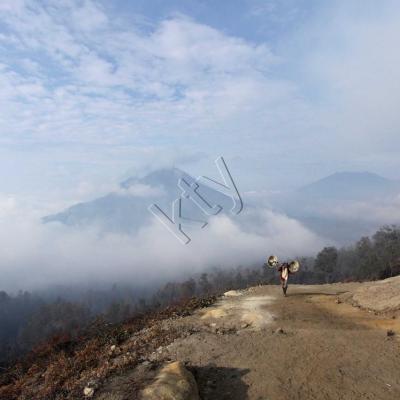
column 14, row 6
column 179, row 78
column 35, row 255
column 178, row 84
column 85, row 95
column 142, row 190
column 354, row 68
column 94, row 78
column 386, row 211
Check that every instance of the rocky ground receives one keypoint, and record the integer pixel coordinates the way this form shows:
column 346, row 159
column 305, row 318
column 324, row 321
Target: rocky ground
column 335, row 341
column 338, row 341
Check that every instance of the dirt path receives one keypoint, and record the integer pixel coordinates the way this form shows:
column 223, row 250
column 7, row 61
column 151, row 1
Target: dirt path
column 326, row 350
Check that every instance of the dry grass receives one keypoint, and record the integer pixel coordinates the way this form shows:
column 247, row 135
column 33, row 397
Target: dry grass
column 62, row 367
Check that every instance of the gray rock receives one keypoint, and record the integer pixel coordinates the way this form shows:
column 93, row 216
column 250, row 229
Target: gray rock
column 173, row 382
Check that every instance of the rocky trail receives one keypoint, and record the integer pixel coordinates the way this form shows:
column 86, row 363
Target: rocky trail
column 337, row 341
column 313, row 344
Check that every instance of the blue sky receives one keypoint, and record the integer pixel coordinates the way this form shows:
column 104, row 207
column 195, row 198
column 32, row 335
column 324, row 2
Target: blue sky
column 286, row 91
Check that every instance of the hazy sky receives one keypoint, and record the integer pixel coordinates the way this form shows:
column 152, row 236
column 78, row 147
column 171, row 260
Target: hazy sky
column 288, row 91
column 94, row 91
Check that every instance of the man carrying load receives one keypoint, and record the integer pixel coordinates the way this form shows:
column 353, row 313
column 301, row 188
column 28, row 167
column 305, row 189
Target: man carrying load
column 285, row 269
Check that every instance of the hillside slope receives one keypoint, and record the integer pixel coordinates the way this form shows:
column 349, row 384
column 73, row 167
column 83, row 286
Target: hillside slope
column 257, row 344
column 252, row 344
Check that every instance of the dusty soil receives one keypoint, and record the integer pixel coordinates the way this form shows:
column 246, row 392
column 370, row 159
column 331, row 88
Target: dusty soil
column 319, row 342
column 378, row 296
column 259, row 345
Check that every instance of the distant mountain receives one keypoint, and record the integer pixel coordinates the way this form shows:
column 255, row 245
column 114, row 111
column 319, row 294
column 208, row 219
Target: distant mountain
column 338, row 189
column 326, row 206
column 351, row 185
column 126, row 210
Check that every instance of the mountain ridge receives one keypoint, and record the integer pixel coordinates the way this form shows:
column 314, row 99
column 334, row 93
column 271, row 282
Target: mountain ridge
column 350, row 184
column 126, row 211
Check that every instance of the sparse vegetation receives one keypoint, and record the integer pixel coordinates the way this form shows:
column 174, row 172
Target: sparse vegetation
column 61, row 367
column 54, row 330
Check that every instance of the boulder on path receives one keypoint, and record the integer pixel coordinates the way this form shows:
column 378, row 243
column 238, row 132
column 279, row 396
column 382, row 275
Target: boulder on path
column 173, row 382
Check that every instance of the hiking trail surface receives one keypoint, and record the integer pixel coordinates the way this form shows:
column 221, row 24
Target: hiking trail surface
column 316, row 343
column 332, row 342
